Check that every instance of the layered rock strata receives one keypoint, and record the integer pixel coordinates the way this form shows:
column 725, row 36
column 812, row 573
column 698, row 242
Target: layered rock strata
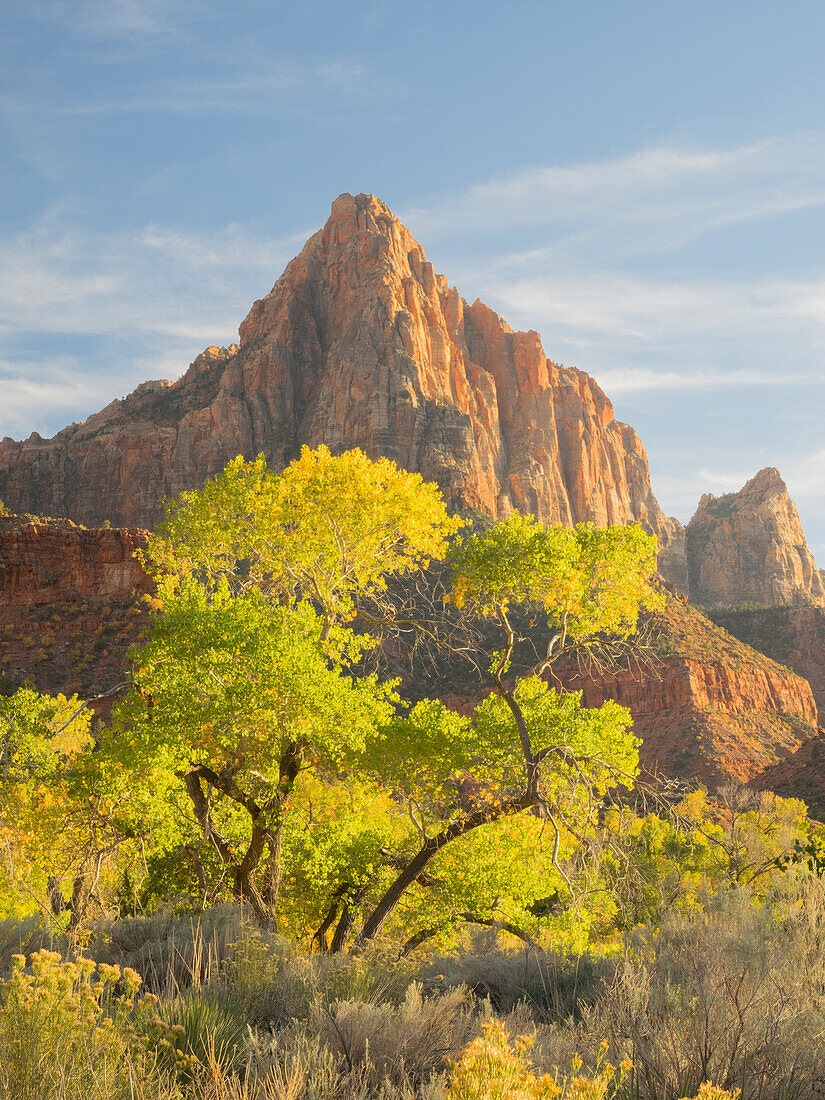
column 72, row 602
column 750, row 547
column 359, row 344
column 705, row 705
column 792, row 636
column 47, row 561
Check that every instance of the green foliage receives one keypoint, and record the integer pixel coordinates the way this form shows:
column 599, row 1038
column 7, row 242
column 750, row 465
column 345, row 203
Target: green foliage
column 227, row 679
column 588, row 580
column 195, row 1028
column 330, row 528
column 247, row 706
column 237, row 686
column 650, row 866
column 424, row 756
column 44, row 761
column 810, row 853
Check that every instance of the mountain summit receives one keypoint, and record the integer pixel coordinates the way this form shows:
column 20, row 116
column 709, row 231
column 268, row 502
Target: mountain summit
column 749, row 547
column 359, row 344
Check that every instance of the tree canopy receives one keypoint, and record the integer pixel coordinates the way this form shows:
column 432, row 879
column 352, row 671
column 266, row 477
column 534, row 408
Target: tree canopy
column 252, row 707
column 258, row 756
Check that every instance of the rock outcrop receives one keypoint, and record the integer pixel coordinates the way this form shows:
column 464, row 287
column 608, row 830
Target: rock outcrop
column 749, row 547
column 72, row 602
column 46, row 561
column 792, row 636
column 706, row 706
column 359, row 344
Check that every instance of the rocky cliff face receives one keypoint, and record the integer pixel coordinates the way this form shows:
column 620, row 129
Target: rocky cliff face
column 792, row 636
column 45, row 561
column 749, row 547
column 72, row 602
column 359, row 344
column 706, row 706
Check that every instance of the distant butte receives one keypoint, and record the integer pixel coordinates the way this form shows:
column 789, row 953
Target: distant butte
column 749, row 547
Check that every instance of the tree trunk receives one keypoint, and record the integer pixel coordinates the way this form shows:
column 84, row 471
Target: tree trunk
column 267, row 828
column 427, row 853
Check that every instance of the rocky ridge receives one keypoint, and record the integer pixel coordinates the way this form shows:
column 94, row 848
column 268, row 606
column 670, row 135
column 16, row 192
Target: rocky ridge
column 705, row 705
column 749, row 547
column 46, row 561
column 72, row 602
column 359, row 344
column 791, row 636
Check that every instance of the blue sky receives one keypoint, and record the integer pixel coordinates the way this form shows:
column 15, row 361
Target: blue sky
column 642, row 182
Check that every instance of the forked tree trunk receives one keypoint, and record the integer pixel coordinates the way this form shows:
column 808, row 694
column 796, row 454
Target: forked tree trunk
column 267, row 830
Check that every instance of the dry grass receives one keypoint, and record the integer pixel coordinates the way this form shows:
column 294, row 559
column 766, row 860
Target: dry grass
column 734, row 995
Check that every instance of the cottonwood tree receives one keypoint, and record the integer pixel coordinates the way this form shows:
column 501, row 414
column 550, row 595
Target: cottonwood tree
column 249, row 702
column 243, row 685
column 527, row 748
column 64, row 815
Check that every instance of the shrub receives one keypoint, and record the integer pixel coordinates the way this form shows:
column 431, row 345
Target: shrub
column 552, row 986
column 172, row 952
column 20, row 937
column 492, row 1069
column 67, row 1031
column 732, row 994
column 412, row 1040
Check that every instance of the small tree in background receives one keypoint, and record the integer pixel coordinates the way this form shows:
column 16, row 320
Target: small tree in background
column 64, row 814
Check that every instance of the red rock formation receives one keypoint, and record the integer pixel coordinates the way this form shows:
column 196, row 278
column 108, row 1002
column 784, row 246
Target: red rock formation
column 792, row 636
column 46, row 561
column 72, row 602
column 708, row 707
column 359, row 344
column 749, row 547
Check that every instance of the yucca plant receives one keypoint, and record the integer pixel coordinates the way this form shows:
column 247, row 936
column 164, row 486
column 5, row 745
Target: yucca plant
column 195, row 1029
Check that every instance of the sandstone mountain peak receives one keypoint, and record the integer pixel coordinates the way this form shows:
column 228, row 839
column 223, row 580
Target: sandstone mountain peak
column 764, row 483
column 360, row 344
column 749, row 547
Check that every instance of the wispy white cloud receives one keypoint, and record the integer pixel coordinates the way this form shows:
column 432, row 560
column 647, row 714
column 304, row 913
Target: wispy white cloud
column 670, row 194
column 61, row 278
column 606, row 320
column 33, row 392
column 645, row 379
column 117, row 18
column 268, row 89
column 149, row 300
